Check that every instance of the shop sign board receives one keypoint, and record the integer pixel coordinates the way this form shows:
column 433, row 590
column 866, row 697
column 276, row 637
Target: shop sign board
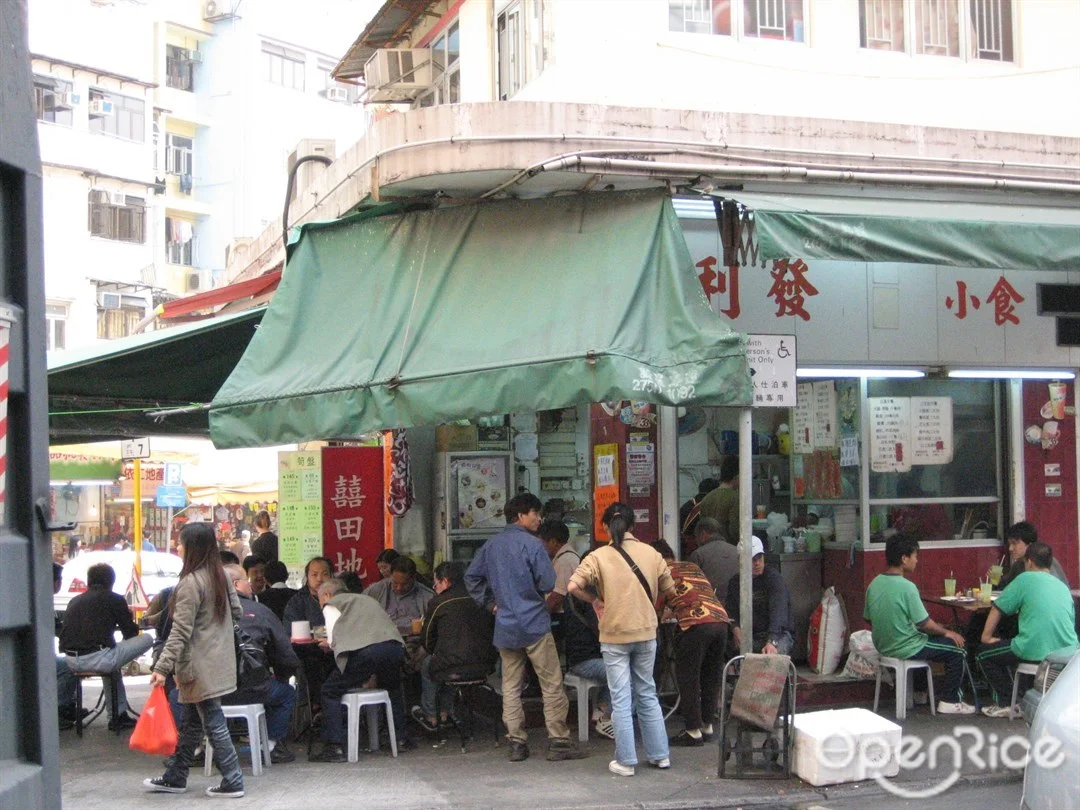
column 299, row 510
column 134, row 448
column 171, row 496
column 772, row 370
column 353, row 510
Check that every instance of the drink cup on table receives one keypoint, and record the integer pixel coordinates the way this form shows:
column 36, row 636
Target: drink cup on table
column 950, row 587
column 417, row 626
column 986, row 590
column 995, row 574
column 301, row 631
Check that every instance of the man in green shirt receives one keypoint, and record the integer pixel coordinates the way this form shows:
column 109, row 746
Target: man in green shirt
column 722, row 504
column 1047, row 623
column 903, row 629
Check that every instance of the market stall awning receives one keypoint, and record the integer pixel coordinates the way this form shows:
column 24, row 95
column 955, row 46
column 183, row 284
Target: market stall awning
column 106, row 390
column 429, row 316
column 1006, row 236
column 248, row 288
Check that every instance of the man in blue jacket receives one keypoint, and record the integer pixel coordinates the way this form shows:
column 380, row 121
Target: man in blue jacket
column 510, row 576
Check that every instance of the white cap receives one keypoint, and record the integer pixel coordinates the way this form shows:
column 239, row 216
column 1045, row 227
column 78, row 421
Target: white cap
column 756, row 546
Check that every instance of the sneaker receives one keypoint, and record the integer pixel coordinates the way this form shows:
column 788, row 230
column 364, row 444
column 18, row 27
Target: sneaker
column 1008, row 712
column 519, row 751
column 619, row 769
column 329, row 753
column 121, row 723
column 281, row 754
column 605, row 728
column 159, row 785
column 223, row 791
column 422, row 720
column 955, row 708
column 687, row 740
column 662, row 764
column 562, row 749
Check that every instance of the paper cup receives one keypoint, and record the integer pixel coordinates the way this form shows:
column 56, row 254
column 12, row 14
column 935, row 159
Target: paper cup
column 301, row 631
column 1058, row 392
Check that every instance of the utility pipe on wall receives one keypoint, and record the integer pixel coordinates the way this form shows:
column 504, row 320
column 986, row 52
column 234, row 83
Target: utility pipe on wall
column 746, row 531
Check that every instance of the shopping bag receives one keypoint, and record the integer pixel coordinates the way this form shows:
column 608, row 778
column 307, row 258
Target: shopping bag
column 155, row 732
column 827, row 634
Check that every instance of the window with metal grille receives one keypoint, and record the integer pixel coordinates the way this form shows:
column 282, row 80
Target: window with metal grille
column 991, row 25
column 179, row 68
column 758, row 19
column 124, row 223
column 937, row 27
column 881, row 24
column 773, row 19
column 179, row 241
column 983, row 29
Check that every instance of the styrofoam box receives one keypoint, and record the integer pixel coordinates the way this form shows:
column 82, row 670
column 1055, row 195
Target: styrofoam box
column 845, row 745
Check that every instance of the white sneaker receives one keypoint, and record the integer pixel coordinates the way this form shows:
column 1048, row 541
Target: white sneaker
column 662, row 764
column 1008, row 712
column 619, row 769
column 955, row 708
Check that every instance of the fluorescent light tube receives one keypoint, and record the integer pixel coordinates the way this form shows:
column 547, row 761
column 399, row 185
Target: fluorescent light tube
column 905, row 373
column 1011, row 374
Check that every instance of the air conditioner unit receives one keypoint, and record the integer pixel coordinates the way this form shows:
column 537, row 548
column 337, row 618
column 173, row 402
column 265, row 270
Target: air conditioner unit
column 195, row 56
column 336, row 94
column 218, row 10
column 100, row 107
column 117, row 198
column 398, row 74
column 194, row 281
column 107, row 300
column 65, row 101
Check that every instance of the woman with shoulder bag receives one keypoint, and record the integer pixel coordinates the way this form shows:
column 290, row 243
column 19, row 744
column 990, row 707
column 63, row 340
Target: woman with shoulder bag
column 628, row 575
column 200, row 654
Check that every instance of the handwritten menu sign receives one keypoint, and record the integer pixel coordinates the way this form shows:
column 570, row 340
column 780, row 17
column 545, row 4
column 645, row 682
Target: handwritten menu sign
column 824, row 415
column 802, row 439
column 299, row 509
column 890, row 434
column 931, row 430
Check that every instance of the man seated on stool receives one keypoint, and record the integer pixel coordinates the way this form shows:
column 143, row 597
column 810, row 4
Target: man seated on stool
column 903, row 629
column 458, row 636
column 367, row 647
column 774, row 627
column 581, row 642
column 401, row 596
column 277, row 592
column 87, row 639
column 1047, row 623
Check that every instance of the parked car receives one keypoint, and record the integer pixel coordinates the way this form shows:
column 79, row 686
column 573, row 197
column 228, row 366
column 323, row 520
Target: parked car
column 1047, row 673
column 1057, row 715
column 159, row 571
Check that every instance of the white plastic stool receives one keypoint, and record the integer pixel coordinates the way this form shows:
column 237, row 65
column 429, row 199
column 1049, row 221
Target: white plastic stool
column 904, row 668
column 583, row 687
column 258, row 739
column 370, row 700
column 1023, row 668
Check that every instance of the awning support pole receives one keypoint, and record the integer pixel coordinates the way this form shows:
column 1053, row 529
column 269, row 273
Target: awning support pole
column 668, row 477
column 746, row 530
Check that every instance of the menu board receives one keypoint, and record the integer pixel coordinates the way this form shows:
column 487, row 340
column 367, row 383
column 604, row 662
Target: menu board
column 802, row 437
column 299, row 509
column 824, row 415
column 890, row 434
column 931, row 430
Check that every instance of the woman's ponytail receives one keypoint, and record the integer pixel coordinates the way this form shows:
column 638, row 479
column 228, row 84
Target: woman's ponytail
column 619, row 518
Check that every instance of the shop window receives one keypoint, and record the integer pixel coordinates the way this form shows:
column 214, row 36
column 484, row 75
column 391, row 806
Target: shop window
column 179, row 241
column 283, row 66
column 55, row 326
column 523, row 41
column 109, row 219
column 179, row 68
column 958, row 499
column 126, row 118
column 51, row 100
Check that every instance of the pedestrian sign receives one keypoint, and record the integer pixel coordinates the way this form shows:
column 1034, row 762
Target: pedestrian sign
column 135, row 595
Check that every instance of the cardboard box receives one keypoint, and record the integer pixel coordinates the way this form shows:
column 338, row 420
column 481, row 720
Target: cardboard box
column 845, row 745
column 455, row 438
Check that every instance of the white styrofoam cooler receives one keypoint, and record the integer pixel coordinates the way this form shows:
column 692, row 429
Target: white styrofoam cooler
column 845, row 745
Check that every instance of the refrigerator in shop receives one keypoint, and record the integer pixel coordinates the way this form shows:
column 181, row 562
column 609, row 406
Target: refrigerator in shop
column 472, row 490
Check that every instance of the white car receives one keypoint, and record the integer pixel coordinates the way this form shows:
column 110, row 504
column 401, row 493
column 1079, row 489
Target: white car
column 159, row 571
column 1052, row 784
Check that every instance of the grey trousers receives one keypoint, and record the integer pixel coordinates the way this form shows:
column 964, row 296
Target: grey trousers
column 109, row 662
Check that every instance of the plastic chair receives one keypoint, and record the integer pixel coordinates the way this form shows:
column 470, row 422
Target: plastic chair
column 370, row 700
column 904, row 669
column 108, row 681
column 1023, row 668
column 584, row 688
column 255, row 716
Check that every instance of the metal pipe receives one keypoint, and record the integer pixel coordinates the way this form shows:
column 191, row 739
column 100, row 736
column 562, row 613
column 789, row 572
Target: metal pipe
column 746, row 527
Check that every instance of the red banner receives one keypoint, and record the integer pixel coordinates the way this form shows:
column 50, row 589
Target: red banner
column 353, row 511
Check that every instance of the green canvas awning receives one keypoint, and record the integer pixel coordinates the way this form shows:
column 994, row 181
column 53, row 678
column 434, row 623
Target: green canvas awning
column 1006, row 236
column 106, row 390
column 429, row 316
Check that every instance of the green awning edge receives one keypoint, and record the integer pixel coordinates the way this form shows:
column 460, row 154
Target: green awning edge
column 631, row 321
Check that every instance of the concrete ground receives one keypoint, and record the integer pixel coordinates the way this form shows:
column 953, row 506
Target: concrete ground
column 99, row 771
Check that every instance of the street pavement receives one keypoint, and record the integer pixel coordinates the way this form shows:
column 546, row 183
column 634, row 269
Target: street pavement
column 99, row 771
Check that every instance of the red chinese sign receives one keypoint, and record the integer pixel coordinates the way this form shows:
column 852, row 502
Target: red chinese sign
column 1003, row 296
column 790, row 292
column 720, row 283
column 353, row 512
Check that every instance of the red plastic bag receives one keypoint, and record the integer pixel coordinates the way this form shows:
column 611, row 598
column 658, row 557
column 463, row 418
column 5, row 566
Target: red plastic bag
column 155, row 732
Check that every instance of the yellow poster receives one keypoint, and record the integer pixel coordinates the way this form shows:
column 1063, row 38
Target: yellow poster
column 299, row 509
column 605, row 485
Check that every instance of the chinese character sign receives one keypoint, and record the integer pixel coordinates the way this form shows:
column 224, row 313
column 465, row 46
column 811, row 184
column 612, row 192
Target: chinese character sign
column 299, row 509
column 353, row 511
column 1002, row 295
column 790, row 288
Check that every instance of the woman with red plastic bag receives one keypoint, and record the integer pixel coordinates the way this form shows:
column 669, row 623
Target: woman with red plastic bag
column 200, row 654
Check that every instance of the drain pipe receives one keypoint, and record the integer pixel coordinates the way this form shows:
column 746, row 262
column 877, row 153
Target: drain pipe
column 325, row 161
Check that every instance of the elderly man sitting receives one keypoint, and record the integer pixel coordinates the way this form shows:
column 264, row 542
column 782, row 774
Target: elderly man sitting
column 367, row 647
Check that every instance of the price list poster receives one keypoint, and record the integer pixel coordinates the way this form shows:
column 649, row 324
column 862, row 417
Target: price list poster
column 300, row 519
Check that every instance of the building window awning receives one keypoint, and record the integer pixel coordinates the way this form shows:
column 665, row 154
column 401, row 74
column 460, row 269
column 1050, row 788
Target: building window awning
column 1006, row 236
column 249, row 288
column 429, row 316
column 109, row 389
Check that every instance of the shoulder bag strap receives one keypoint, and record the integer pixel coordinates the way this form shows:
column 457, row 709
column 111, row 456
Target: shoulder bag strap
column 636, row 570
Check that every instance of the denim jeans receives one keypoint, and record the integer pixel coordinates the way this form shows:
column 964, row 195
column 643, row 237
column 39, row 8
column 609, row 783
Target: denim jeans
column 108, row 662
column 198, row 717
column 278, row 701
column 630, row 679
column 595, row 670
column 384, row 661
column 429, row 688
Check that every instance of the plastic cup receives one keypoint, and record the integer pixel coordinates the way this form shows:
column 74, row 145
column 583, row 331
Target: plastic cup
column 417, row 626
column 950, row 587
column 1058, row 392
column 985, row 592
column 995, row 574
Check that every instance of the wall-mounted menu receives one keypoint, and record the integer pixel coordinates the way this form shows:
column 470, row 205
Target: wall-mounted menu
column 802, row 437
column 890, row 434
column 299, row 509
column 824, row 415
column 931, row 430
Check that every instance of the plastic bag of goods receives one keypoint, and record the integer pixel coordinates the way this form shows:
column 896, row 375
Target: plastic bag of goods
column 863, row 659
column 827, row 634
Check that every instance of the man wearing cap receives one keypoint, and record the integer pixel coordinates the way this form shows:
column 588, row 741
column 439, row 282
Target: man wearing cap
column 774, row 627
